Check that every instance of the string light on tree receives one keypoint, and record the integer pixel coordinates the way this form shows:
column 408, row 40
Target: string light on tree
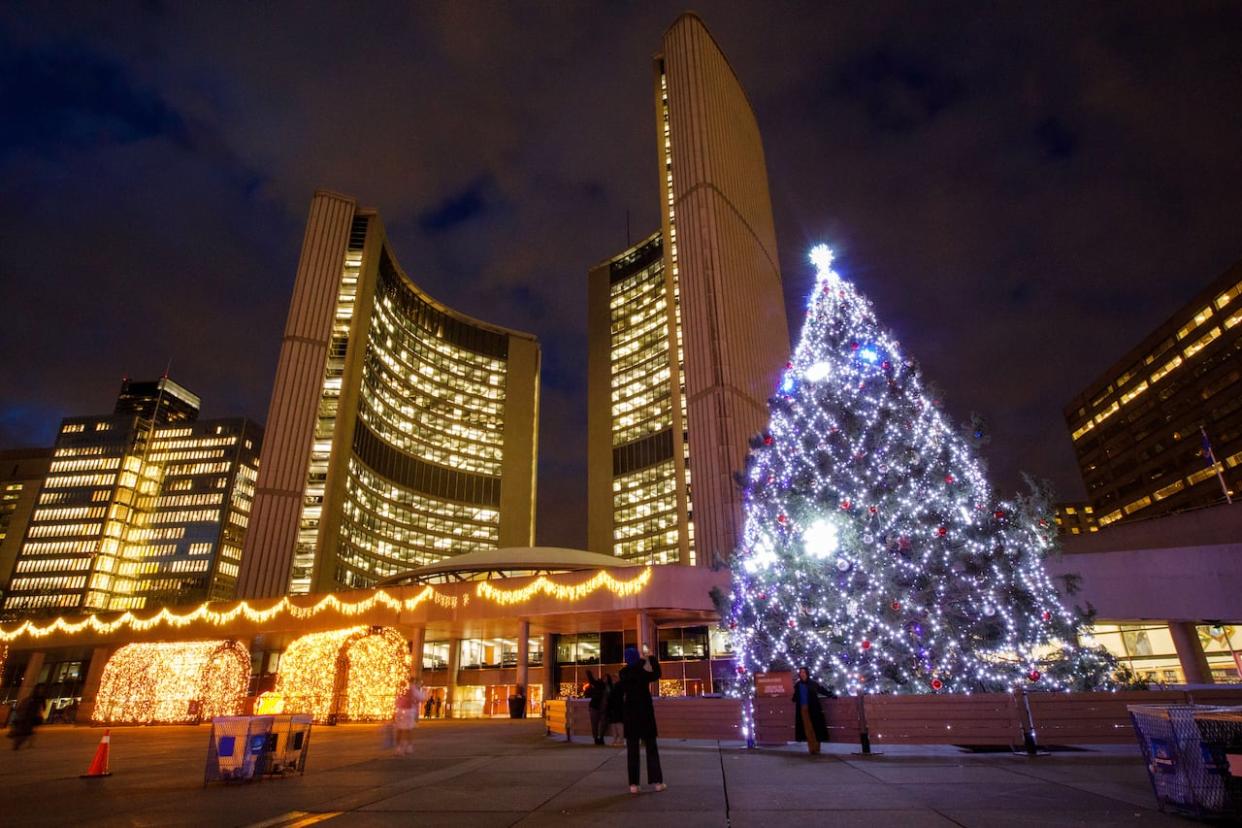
column 874, row 549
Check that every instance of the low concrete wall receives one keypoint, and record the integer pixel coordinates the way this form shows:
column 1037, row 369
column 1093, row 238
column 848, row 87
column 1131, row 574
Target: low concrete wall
column 1014, row 719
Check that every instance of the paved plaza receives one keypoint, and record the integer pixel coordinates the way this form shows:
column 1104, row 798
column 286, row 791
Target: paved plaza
column 501, row 773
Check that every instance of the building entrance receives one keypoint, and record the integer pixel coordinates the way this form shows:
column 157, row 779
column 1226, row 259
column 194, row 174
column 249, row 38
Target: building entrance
column 496, row 704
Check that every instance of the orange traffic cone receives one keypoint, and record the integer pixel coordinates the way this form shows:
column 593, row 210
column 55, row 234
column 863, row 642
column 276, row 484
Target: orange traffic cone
column 99, row 765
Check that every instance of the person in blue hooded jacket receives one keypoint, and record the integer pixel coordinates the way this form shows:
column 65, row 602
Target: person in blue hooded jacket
column 638, row 714
column 809, row 723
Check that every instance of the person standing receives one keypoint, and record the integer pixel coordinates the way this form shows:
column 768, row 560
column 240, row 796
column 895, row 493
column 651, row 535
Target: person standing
column 638, row 714
column 26, row 717
column 615, row 708
column 595, row 692
column 809, row 724
column 405, row 718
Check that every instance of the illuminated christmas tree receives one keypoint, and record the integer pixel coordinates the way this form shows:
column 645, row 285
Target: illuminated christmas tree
column 875, row 552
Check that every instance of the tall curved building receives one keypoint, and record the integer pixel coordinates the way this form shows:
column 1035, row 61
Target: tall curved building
column 687, row 333
column 400, row 432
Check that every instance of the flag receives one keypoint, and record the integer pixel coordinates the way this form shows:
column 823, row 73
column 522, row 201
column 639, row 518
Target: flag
column 1208, row 455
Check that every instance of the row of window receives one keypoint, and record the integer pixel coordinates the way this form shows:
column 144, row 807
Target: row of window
column 386, row 529
column 1165, row 366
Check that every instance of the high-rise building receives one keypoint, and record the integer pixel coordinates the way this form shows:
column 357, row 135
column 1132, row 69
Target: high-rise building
column 687, row 329
column 21, row 473
column 174, row 402
column 400, row 431
column 143, row 507
column 1161, row 430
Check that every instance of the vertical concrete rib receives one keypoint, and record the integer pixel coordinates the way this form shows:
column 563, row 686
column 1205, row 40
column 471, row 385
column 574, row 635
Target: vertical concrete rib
column 268, row 553
column 734, row 325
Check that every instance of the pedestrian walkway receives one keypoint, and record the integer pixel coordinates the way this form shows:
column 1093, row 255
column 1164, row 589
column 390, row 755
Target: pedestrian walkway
column 502, row 773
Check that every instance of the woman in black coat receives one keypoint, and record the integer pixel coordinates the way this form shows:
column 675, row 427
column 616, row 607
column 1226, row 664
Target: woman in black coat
column 638, row 713
column 809, row 724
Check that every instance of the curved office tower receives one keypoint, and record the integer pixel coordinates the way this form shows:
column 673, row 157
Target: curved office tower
column 400, row 432
column 713, row 293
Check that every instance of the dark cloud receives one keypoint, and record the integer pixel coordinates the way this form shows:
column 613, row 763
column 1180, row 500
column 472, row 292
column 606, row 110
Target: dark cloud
column 458, row 208
column 1024, row 191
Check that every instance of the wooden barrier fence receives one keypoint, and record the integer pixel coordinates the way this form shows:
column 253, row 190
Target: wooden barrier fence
column 1019, row 720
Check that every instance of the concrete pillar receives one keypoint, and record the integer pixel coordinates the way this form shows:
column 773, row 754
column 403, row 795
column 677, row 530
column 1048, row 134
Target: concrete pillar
column 646, row 634
column 523, row 654
column 450, row 693
column 31, row 677
column 1190, row 652
column 549, row 666
column 418, row 638
column 94, row 675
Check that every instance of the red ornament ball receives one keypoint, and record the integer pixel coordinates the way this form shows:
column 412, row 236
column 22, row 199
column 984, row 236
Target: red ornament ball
column 942, row 531
column 1047, row 616
column 853, row 346
column 896, row 605
column 871, row 509
column 741, row 671
column 948, row 478
column 845, row 504
column 1043, row 523
column 1033, row 675
column 999, row 513
column 936, row 684
column 792, row 623
column 866, row 645
column 788, row 365
column 767, row 439
column 781, row 519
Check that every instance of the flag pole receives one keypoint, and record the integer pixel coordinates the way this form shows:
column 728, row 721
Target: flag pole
column 1211, row 458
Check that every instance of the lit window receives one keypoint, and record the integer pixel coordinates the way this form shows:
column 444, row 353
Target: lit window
column 1229, row 295
column 1201, row 343
column 1197, row 320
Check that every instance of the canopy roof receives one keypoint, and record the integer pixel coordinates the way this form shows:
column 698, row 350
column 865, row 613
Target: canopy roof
column 510, row 562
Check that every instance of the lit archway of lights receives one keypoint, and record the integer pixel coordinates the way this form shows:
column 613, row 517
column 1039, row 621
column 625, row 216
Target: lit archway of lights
column 173, row 682
column 354, row 673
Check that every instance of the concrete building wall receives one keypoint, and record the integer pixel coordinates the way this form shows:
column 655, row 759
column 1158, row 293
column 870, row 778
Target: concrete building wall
column 723, row 248
column 599, row 417
column 268, row 554
column 519, row 489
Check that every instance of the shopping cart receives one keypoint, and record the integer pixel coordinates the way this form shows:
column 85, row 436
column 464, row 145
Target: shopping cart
column 1186, row 748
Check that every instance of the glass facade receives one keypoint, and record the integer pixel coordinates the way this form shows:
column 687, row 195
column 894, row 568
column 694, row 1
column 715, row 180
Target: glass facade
column 326, row 415
column 424, row 475
column 647, row 410
column 694, row 660
column 1147, row 649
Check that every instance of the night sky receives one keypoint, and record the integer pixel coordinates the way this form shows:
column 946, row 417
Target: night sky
column 1024, row 191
